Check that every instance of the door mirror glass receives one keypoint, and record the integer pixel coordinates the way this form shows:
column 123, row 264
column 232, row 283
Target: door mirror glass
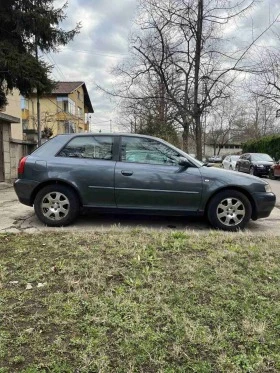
column 183, row 162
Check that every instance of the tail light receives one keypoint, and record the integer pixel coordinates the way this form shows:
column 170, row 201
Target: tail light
column 21, row 166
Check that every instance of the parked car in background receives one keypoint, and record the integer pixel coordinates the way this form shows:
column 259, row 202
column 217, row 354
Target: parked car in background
column 215, row 159
column 257, row 164
column 274, row 172
column 129, row 173
column 229, row 162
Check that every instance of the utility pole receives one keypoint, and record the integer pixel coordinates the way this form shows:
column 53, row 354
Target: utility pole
column 38, row 98
column 198, row 52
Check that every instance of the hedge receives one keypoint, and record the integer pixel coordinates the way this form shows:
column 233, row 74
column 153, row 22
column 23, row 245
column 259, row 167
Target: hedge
column 268, row 144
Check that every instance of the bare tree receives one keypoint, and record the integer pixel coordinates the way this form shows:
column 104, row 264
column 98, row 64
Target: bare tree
column 181, row 46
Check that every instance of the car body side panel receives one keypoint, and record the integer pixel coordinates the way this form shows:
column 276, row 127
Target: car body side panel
column 93, row 178
column 158, row 187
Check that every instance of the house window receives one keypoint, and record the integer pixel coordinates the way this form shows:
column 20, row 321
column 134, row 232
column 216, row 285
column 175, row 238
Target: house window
column 80, row 111
column 65, row 106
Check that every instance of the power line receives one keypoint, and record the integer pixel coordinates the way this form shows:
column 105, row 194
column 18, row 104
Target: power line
column 107, row 121
column 96, row 53
column 49, row 57
column 58, row 68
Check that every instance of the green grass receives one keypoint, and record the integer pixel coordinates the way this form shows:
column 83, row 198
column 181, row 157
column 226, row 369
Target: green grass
column 139, row 301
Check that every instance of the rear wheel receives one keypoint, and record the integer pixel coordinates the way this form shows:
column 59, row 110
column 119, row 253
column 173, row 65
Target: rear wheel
column 56, row 205
column 229, row 210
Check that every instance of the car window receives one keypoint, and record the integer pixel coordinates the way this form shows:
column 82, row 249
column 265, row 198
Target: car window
column 91, row 147
column 141, row 150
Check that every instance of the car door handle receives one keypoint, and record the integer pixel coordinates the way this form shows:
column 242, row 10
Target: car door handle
column 127, row 173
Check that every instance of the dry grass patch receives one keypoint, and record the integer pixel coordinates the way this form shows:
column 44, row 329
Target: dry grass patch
column 139, row 301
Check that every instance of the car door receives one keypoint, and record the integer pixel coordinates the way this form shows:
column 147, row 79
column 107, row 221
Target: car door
column 149, row 177
column 226, row 162
column 247, row 163
column 87, row 163
column 242, row 163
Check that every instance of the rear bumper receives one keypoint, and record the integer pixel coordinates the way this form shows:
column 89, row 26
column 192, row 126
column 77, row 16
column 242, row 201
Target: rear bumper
column 24, row 190
column 264, row 204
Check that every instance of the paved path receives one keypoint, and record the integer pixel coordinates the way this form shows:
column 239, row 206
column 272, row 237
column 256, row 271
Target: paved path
column 15, row 217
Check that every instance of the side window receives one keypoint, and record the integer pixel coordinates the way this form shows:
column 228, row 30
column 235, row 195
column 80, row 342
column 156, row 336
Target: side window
column 98, row 147
column 141, row 150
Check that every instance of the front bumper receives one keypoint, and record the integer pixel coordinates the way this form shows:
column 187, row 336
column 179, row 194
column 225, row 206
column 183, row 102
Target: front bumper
column 264, row 204
column 24, row 190
column 262, row 170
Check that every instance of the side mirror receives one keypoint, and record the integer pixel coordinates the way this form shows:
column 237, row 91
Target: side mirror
column 184, row 162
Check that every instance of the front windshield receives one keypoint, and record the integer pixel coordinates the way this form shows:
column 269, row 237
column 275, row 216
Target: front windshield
column 261, row 157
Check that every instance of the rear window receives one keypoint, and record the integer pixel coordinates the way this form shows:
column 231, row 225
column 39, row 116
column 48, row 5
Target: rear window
column 90, row 147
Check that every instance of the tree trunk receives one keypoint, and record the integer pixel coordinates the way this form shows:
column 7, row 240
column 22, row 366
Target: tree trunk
column 185, row 137
column 197, row 109
column 198, row 138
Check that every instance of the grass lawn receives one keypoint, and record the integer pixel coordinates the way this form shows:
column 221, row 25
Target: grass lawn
column 139, row 301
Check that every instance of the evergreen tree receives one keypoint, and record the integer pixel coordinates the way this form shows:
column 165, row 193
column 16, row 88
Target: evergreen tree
column 24, row 27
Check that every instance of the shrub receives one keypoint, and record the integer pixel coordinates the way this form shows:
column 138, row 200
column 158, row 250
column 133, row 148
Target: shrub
column 268, row 144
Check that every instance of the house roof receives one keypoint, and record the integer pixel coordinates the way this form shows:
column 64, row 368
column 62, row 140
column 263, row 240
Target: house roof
column 64, row 88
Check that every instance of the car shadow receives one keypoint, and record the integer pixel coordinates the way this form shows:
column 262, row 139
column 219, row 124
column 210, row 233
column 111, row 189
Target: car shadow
column 89, row 218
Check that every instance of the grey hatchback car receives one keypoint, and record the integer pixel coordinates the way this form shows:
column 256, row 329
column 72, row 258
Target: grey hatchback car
column 136, row 174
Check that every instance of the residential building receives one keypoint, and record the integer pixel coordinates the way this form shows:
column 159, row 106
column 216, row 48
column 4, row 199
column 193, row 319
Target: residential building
column 12, row 145
column 13, row 108
column 64, row 110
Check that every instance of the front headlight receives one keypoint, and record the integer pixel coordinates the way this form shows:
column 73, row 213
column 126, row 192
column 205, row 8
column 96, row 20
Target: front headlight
column 268, row 188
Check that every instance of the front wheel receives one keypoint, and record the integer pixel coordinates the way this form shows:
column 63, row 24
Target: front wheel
column 252, row 171
column 56, row 205
column 271, row 175
column 229, row 210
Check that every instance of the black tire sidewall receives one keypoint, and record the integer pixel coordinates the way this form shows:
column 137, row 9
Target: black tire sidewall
column 252, row 168
column 214, row 202
column 73, row 200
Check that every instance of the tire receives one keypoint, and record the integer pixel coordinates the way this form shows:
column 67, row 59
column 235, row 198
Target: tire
column 229, row 210
column 56, row 205
column 252, row 171
column 271, row 175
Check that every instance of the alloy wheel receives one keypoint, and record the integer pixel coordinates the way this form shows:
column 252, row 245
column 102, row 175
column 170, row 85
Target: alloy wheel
column 55, row 206
column 231, row 211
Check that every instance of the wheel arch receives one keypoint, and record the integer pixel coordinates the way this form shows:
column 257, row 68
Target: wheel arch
column 56, row 182
column 238, row 189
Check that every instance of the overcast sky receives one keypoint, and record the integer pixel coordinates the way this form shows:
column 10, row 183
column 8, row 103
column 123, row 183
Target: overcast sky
column 103, row 42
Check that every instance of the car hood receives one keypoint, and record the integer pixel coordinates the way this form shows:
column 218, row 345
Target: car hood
column 230, row 177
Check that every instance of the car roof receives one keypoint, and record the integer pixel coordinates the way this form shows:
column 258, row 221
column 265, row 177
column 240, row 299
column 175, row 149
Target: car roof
column 114, row 134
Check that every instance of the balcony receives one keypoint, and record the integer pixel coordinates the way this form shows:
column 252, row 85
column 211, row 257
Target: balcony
column 24, row 114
